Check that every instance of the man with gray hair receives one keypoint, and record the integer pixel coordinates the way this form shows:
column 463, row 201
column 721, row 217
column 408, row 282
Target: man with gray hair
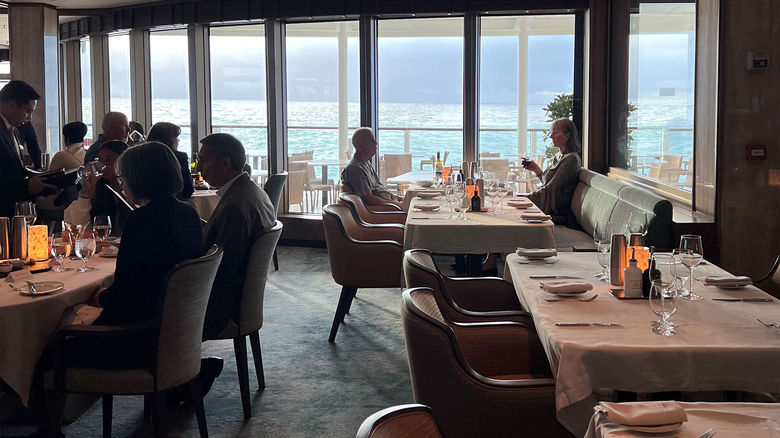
column 115, row 127
column 361, row 177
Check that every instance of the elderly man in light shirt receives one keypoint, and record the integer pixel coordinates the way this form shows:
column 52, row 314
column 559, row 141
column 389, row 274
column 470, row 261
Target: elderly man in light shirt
column 361, row 177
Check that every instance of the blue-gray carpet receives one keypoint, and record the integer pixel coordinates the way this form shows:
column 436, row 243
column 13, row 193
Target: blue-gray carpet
column 314, row 388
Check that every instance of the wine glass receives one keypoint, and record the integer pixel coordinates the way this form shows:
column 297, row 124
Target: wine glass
column 691, row 257
column 636, row 228
column 85, row 248
column 460, row 192
column 491, row 191
column 60, row 246
column 504, row 190
column 681, row 271
column 449, row 195
column 102, row 226
column 663, row 303
column 602, row 235
column 28, row 211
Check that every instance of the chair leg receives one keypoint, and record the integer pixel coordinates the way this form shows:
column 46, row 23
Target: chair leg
column 147, row 407
column 257, row 355
column 158, row 418
column 196, row 395
column 276, row 261
column 345, row 299
column 349, row 307
column 239, row 345
column 108, row 407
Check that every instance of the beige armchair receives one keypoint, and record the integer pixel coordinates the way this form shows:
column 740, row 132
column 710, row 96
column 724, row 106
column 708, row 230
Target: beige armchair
column 403, row 421
column 250, row 318
column 463, row 298
column 360, row 256
column 368, row 214
column 770, row 283
column 480, row 379
column 174, row 361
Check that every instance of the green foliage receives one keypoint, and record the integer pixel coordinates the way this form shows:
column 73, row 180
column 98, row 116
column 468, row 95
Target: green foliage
column 560, row 108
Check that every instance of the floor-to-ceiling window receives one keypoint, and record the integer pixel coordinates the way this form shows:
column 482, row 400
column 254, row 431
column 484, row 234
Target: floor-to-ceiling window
column 323, row 108
column 420, row 94
column 659, row 133
column 238, row 100
column 170, row 81
column 86, row 87
column 526, row 81
column 119, row 73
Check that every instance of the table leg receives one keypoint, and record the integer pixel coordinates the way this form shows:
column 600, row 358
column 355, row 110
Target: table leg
column 325, row 182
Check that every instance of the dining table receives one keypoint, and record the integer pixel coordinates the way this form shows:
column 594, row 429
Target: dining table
column 27, row 323
column 726, row 420
column 204, row 201
column 718, row 346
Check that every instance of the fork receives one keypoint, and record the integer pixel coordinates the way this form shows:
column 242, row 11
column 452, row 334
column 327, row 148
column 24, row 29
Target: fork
column 708, row 434
column 769, row 324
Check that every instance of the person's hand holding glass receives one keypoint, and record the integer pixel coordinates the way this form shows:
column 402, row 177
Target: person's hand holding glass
column 691, row 255
column 663, row 295
column 602, row 237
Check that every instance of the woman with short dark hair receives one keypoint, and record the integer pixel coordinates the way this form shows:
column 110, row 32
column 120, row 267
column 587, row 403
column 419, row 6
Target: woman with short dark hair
column 168, row 134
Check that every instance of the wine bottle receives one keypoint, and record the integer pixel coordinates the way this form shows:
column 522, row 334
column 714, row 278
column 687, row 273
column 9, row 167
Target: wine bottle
column 194, row 164
column 438, row 166
column 476, row 201
column 650, row 274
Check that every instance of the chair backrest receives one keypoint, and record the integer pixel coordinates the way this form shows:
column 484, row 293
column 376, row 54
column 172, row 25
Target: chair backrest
column 403, row 421
column 420, row 271
column 499, row 167
column 187, row 290
column 297, row 179
column 251, row 312
column 274, row 187
column 397, row 164
column 770, row 283
column 489, row 154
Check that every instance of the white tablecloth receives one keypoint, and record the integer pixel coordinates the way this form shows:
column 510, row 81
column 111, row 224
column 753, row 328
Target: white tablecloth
column 27, row 323
column 204, row 201
column 718, row 346
column 480, row 233
column 730, row 420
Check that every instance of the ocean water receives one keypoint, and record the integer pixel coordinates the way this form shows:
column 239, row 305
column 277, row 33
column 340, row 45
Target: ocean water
column 431, row 127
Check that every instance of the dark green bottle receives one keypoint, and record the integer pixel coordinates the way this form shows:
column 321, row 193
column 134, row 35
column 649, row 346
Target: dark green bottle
column 649, row 274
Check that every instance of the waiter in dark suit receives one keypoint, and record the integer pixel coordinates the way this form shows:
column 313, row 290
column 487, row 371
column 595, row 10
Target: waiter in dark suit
column 17, row 102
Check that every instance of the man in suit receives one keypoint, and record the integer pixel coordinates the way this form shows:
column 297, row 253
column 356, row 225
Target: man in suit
column 243, row 212
column 115, row 127
column 17, row 102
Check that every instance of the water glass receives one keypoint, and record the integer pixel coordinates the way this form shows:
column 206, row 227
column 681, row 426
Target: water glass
column 85, row 248
column 691, row 256
column 602, row 237
column 491, row 191
column 102, row 226
column 60, row 246
column 681, row 272
column 460, row 193
column 28, row 211
column 663, row 303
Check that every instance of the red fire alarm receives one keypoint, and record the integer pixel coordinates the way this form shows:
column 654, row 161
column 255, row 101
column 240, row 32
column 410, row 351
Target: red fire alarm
column 755, row 152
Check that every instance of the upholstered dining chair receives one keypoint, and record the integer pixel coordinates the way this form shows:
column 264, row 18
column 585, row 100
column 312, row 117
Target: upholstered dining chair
column 770, row 283
column 250, row 314
column 402, row 421
column 463, row 298
column 479, row 379
column 361, row 256
column 174, row 361
column 368, row 215
column 389, row 206
column 295, row 188
column 274, row 187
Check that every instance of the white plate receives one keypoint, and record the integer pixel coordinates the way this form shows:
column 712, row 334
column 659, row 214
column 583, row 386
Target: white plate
column 565, row 294
column 425, row 183
column 43, row 288
column 428, row 195
column 664, row 428
column 426, row 206
column 526, row 260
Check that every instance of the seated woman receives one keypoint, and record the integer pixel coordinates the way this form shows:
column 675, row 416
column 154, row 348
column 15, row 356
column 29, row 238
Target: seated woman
column 95, row 197
column 168, row 134
column 560, row 179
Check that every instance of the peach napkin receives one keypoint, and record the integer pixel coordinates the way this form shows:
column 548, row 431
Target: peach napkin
column 564, row 287
column 645, row 413
column 535, row 216
column 726, row 280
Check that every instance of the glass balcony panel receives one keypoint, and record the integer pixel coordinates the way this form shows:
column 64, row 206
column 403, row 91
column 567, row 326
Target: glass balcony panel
column 119, row 74
column 86, row 88
column 170, row 81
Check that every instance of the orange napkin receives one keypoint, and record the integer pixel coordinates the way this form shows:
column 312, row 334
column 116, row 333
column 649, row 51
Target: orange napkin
column 645, row 413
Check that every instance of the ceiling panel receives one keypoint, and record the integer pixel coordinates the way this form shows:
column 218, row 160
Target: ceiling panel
column 86, row 4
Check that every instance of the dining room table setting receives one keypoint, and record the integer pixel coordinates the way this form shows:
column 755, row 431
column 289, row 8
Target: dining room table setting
column 597, row 338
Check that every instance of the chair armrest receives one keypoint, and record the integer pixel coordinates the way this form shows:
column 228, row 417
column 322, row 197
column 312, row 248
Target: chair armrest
column 386, row 217
column 482, row 294
column 106, row 330
column 502, row 348
column 368, row 263
column 384, row 207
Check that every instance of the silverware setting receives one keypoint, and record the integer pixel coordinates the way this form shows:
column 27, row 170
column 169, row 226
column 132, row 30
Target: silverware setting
column 547, row 276
column 769, row 324
column 583, row 298
column 587, row 324
column 708, row 434
column 745, row 300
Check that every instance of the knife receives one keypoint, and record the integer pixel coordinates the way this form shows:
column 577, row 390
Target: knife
column 746, row 300
column 550, row 276
column 586, row 324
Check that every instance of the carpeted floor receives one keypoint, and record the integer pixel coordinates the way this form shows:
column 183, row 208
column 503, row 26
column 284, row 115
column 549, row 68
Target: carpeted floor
column 314, row 388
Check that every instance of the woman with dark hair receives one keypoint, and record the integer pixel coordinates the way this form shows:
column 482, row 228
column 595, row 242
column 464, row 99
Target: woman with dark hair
column 560, row 179
column 168, row 134
column 160, row 233
column 96, row 198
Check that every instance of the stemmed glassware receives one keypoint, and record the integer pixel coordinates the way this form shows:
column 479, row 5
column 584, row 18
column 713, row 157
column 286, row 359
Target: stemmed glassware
column 691, row 255
column 60, row 246
column 449, row 195
column 460, row 191
column 636, row 226
column 504, row 190
column 491, row 190
column 663, row 294
column 602, row 235
column 102, row 226
column 85, row 248
column 681, row 271
column 28, row 211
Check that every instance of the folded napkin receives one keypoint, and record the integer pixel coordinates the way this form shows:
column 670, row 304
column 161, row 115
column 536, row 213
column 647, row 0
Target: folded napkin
column 537, row 252
column 535, row 216
column 563, row 287
column 520, row 202
column 726, row 280
column 645, row 413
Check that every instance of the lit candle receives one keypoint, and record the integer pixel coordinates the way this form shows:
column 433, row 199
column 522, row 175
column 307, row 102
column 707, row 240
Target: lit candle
column 38, row 242
column 642, row 256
